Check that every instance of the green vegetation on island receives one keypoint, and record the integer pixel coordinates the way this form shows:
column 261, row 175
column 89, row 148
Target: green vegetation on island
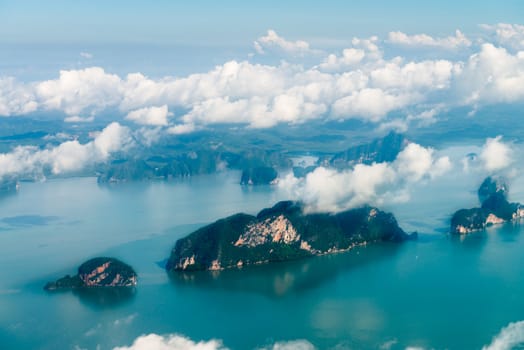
column 97, row 272
column 281, row 233
column 495, row 208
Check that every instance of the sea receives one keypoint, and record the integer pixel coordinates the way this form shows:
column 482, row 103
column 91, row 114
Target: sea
column 439, row 292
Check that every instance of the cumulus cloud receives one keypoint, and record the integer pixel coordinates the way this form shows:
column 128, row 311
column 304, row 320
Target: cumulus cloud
column 291, row 345
column 155, row 116
column 181, row 129
column 178, row 342
column 496, row 155
column 363, row 51
column 359, row 82
column 509, row 337
column 493, row 75
column 69, row 156
column 16, row 98
column 459, row 40
column 371, row 103
column 509, row 35
column 76, row 91
column 78, row 119
column 171, row 342
column 329, row 190
column 272, row 41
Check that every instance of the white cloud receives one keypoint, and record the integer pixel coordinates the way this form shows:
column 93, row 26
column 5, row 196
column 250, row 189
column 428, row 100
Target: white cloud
column 148, row 136
column 16, row 98
column 86, row 55
column 126, row 320
column 69, row 156
column 359, row 83
column 76, row 91
column 509, row 35
column 371, row 103
column 272, row 41
column 349, row 57
column 459, row 40
column 415, row 162
column 415, row 76
column 171, row 342
column 362, row 52
column 291, row 345
column 493, row 75
column 398, row 125
column 509, row 337
column 78, row 119
column 181, row 129
column 178, row 342
column 495, row 154
column 330, row 190
column 156, row 116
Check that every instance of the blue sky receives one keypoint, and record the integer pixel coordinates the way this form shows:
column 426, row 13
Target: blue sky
column 232, row 22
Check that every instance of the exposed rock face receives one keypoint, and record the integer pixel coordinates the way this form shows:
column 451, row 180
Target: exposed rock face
column 276, row 230
column 281, row 233
column 98, row 272
column 259, row 176
column 495, row 209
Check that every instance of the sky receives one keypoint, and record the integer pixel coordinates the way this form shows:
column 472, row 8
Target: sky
column 233, row 22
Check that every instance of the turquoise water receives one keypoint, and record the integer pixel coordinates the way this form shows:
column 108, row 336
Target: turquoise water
column 439, row 292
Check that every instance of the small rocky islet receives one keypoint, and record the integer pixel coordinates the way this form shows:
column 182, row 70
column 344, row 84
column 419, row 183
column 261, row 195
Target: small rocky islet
column 283, row 232
column 100, row 272
column 495, row 208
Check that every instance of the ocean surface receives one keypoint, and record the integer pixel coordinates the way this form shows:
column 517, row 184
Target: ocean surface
column 439, row 292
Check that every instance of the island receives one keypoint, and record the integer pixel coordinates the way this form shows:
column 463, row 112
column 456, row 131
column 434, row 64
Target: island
column 283, row 232
column 97, row 272
column 495, row 208
column 379, row 150
column 259, row 176
column 8, row 185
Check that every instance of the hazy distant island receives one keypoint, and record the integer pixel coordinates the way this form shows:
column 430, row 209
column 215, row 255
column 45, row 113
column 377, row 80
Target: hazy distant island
column 495, row 208
column 379, row 150
column 97, row 272
column 281, row 233
column 257, row 165
column 8, row 185
column 258, row 162
column 259, row 176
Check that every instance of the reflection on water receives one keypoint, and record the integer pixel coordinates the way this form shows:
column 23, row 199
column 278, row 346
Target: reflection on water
column 105, row 298
column 99, row 298
column 282, row 279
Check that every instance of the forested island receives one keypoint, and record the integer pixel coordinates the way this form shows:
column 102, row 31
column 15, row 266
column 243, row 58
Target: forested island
column 495, row 208
column 283, row 232
column 97, row 272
